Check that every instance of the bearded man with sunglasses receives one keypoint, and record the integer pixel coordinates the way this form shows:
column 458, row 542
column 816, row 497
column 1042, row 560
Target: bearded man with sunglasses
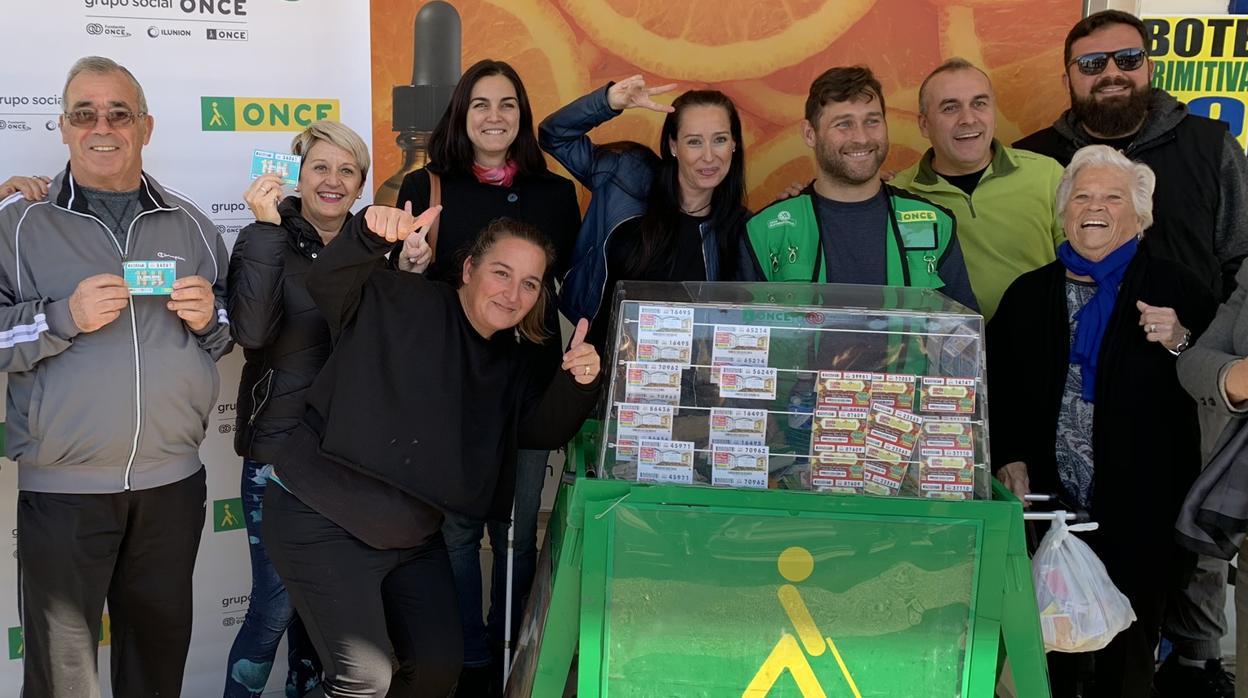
column 1200, row 209
column 108, row 398
column 1201, row 202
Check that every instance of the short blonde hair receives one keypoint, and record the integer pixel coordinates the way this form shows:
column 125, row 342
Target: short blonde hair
column 1143, row 181
column 334, row 133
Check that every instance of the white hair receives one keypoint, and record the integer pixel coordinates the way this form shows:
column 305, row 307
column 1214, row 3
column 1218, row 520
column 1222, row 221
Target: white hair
column 99, row 65
column 1141, row 176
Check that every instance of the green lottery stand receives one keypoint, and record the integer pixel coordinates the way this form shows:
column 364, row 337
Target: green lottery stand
column 680, row 562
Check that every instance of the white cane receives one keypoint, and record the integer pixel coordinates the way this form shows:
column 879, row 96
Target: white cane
column 511, row 556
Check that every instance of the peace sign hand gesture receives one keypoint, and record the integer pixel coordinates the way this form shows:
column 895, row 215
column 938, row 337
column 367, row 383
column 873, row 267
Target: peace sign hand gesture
column 632, row 92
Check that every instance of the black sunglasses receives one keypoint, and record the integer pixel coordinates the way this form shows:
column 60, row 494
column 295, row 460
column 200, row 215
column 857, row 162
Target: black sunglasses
column 1126, row 59
column 86, row 118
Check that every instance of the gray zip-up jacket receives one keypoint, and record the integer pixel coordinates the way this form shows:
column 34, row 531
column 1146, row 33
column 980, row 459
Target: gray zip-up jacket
column 124, row 407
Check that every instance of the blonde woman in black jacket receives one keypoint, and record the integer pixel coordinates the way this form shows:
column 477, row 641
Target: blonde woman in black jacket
column 286, row 342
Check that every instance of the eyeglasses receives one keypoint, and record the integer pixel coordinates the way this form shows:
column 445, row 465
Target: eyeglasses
column 86, row 118
column 1127, row 60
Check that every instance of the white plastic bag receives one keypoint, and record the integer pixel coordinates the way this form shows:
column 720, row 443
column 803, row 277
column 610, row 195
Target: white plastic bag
column 1080, row 608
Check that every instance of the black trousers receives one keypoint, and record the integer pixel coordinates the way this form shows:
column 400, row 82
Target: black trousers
column 135, row 549
column 384, row 622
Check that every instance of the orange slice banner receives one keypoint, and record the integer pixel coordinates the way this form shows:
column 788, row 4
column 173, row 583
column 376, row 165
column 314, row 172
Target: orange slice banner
column 763, row 53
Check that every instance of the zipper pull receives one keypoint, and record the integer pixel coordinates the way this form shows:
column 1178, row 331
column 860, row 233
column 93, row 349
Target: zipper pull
column 931, row 263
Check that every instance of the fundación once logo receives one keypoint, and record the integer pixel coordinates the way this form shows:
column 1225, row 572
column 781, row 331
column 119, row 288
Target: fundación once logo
column 264, row 113
column 227, row 515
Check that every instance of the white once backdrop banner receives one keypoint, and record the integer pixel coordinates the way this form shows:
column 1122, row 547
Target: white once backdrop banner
column 222, row 78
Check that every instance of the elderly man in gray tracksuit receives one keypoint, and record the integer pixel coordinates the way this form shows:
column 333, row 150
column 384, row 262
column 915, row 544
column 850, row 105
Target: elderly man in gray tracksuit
column 108, row 398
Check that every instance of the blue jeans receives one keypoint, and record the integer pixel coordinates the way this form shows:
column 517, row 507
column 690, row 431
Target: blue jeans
column 269, row 613
column 463, row 542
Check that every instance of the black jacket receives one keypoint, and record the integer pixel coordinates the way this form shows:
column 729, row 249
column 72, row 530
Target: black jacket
column 397, row 401
column 1146, row 442
column 544, row 200
column 1200, row 206
column 284, row 336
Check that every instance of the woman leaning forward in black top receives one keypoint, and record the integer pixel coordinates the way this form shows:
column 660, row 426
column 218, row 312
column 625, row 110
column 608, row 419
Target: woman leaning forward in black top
column 417, row 414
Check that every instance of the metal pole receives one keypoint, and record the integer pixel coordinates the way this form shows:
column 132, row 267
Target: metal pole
column 511, row 556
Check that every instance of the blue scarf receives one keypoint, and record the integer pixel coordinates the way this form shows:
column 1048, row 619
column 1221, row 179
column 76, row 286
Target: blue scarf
column 1093, row 318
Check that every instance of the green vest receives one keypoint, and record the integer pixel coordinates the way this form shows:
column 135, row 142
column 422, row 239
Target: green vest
column 786, row 242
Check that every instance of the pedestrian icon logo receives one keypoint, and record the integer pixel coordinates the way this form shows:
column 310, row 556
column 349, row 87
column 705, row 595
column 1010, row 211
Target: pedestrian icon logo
column 217, row 113
column 793, row 653
column 216, row 119
column 227, row 514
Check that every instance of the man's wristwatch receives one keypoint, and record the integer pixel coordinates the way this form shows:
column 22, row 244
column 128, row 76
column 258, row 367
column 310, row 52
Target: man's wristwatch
column 1183, row 344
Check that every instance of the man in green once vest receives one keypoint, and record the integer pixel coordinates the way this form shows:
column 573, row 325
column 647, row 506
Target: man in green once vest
column 1002, row 198
column 849, row 226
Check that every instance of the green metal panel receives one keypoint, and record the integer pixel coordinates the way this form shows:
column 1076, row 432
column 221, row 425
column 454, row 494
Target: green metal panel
column 676, row 591
column 697, row 601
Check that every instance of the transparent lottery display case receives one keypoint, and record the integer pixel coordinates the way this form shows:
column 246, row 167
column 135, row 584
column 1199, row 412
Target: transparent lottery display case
column 787, row 496
column 846, row 389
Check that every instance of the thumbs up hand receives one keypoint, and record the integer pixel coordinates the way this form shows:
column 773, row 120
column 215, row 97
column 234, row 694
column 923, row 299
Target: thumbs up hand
column 581, row 359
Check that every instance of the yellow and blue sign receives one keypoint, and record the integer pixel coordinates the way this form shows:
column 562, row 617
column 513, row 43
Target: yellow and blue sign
column 264, row 113
column 1203, row 61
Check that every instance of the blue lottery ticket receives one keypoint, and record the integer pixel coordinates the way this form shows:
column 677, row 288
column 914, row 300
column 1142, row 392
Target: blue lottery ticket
column 151, row 278
column 265, row 162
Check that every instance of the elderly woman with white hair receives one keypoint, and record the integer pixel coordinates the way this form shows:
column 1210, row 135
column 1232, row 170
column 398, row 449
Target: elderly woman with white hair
column 1086, row 402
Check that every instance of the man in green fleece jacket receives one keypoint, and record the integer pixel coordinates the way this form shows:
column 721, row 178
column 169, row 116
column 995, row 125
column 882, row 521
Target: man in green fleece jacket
column 1002, row 198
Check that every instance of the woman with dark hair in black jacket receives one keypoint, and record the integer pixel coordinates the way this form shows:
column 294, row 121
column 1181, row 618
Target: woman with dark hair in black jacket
column 484, row 156
column 674, row 217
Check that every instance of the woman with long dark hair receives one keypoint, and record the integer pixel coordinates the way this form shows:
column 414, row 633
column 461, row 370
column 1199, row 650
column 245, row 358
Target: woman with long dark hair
column 672, row 217
column 485, row 164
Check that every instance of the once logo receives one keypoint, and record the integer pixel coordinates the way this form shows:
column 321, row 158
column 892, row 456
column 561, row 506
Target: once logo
column 227, row 514
column 238, row 8
column 227, row 34
column 95, row 28
column 917, row 217
column 789, row 655
column 264, row 113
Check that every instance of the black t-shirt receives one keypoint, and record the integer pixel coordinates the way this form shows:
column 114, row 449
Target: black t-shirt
column 854, row 246
column 688, row 263
column 966, row 182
